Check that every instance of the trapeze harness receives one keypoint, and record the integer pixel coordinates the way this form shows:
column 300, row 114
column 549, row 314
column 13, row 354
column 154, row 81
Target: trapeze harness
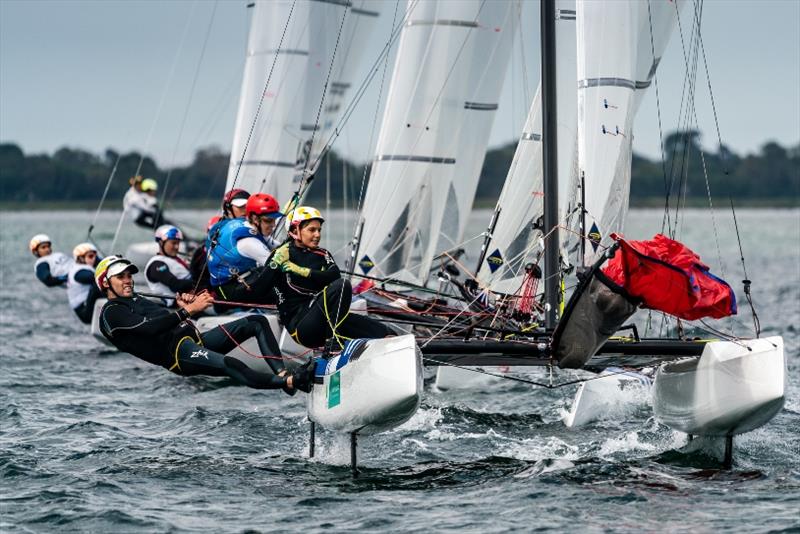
column 168, row 338
column 316, row 308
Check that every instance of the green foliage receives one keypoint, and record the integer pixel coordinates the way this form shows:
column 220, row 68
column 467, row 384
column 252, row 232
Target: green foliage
column 771, row 176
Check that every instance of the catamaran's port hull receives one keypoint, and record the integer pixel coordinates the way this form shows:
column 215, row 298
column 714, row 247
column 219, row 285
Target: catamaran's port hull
column 732, row 388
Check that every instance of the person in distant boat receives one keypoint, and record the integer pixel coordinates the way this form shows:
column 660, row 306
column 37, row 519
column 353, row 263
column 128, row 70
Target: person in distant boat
column 313, row 298
column 165, row 337
column 52, row 268
column 234, row 204
column 81, row 289
column 197, row 264
column 166, row 272
column 140, row 201
column 238, row 250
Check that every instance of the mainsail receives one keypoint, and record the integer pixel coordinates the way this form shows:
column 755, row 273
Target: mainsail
column 447, row 77
column 620, row 44
column 290, row 53
column 515, row 238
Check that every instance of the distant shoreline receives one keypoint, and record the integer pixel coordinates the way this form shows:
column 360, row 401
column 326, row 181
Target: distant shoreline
column 86, row 205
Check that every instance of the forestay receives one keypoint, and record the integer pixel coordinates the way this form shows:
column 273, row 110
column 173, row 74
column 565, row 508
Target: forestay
column 447, row 77
column 516, row 235
column 616, row 63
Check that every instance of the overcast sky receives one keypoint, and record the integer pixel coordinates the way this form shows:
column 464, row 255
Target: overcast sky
column 91, row 74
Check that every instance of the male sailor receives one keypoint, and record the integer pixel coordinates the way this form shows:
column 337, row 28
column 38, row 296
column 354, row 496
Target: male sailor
column 238, row 250
column 81, row 289
column 167, row 337
column 140, row 201
column 234, row 204
column 313, row 298
column 166, row 273
column 52, row 268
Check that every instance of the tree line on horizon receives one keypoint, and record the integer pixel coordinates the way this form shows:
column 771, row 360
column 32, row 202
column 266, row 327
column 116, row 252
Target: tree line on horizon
column 770, row 176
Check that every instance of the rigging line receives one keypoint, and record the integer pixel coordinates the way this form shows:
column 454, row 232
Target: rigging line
column 158, row 113
column 277, row 54
column 722, row 152
column 160, row 208
column 435, row 103
column 322, row 100
column 383, row 55
column 103, row 198
column 746, row 281
column 665, row 219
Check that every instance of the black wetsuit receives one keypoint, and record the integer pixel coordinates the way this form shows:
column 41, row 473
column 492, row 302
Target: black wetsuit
column 152, row 219
column 311, row 306
column 45, row 276
column 167, row 338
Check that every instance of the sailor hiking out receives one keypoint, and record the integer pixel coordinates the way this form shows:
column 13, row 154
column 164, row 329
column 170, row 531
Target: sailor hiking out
column 166, row 272
column 238, row 250
column 51, row 268
column 82, row 292
column 313, row 298
column 170, row 339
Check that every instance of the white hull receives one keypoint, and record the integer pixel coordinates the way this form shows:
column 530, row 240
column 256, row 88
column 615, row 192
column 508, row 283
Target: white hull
column 598, row 397
column 449, row 377
column 140, row 253
column 731, row 389
column 378, row 388
column 252, row 360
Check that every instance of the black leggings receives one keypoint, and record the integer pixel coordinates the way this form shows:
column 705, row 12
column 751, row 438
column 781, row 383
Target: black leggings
column 209, row 358
column 312, row 326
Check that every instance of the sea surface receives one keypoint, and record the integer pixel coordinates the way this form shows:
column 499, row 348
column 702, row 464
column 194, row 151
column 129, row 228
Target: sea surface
column 92, row 440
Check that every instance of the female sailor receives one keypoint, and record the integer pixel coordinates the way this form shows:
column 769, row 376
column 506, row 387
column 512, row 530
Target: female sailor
column 81, row 289
column 52, row 268
column 166, row 273
column 313, row 298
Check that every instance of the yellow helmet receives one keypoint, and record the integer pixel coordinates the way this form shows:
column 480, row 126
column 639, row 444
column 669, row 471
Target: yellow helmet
column 112, row 266
column 82, row 249
column 302, row 214
column 148, row 184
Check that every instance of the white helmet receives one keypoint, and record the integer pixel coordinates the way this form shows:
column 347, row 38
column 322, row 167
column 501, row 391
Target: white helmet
column 37, row 240
column 301, row 214
column 82, row 249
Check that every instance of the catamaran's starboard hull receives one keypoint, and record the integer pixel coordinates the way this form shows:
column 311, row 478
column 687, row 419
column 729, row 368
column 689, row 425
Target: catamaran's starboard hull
column 378, row 388
column 732, row 388
column 248, row 353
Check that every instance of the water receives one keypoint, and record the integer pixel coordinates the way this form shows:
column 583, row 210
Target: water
column 95, row 441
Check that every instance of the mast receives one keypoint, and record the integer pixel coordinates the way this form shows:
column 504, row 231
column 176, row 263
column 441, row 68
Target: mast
column 550, row 160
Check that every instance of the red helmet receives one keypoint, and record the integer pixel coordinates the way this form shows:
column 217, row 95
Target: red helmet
column 237, row 197
column 263, row 204
column 212, row 221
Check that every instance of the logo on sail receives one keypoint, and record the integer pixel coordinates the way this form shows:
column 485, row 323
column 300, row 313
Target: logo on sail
column 366, row 264
column 595, row 236
column 495, row 260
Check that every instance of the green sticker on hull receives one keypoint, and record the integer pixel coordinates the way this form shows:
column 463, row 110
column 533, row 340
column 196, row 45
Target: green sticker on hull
column 334, row 390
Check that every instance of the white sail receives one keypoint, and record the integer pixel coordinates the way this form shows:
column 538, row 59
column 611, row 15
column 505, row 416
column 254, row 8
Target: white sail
column 515, row 240
column 291, row 44
column 361, row 19
column 447, row 77
column 616, row 64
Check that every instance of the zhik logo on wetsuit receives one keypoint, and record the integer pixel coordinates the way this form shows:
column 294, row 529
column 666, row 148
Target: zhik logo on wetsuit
column 198, row 353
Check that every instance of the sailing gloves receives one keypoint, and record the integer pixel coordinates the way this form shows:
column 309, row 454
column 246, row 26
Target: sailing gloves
column 280, row 260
